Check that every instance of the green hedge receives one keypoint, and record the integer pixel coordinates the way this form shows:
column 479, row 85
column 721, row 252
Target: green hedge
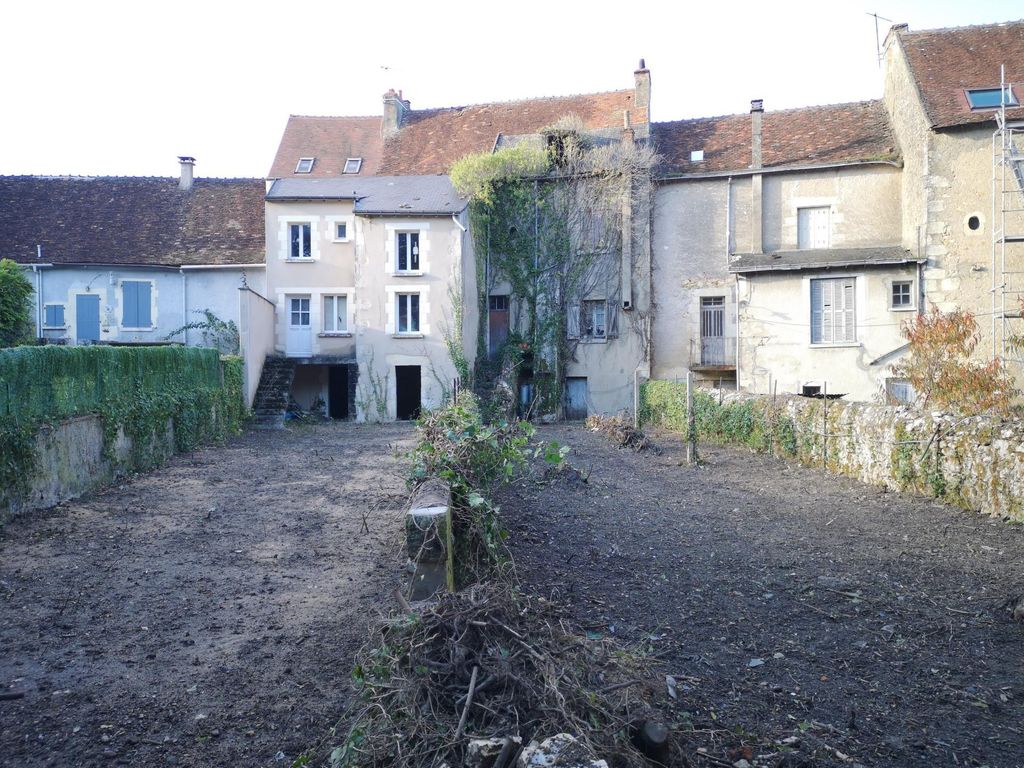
column 136, row 391
column 750, row 423
column 55, row 382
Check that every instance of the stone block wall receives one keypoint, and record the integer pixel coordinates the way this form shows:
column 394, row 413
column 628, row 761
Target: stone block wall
column 976, row 463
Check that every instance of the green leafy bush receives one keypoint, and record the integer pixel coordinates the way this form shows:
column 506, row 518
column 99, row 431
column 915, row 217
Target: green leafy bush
column 15, row 305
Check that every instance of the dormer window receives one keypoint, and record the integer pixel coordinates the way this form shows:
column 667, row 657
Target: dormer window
column 991, row 98
column 305, row 165
column 353, row 164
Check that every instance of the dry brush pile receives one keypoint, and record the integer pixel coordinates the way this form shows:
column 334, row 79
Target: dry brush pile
column 489, row 661
column 621, row 431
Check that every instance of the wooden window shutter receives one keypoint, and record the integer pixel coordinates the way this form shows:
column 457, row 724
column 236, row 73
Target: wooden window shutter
column 849, row 319
column 817, row 314
column 143, row 297
column 611, row 319
column 572, row 321
column 130, row 302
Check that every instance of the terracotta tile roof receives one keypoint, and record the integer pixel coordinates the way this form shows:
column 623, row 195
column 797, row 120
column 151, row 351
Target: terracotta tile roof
column 431, row 140
column 331, row 140
column 944, row 62
column 835, row 133
column 131, row 220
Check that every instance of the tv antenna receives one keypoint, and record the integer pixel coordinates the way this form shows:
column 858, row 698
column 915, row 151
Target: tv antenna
column 878, row 39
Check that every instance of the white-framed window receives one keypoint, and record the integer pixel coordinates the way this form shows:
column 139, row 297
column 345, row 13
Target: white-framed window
column 305, row 165
column 814, row 227
column 298, row 312
column 901, row 294
column 335, row 314
column 136, row 304
column 899, row 392
column 353, row 164
column 300, row 240
column 407, row 312
column 594, row 316
column 833, row 310
column 407, row 252
column 53, row 316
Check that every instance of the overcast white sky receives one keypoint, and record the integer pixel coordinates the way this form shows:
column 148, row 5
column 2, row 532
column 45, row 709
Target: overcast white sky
column 122, row 88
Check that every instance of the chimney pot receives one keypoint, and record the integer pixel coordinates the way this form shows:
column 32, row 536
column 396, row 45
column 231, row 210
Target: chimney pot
column 187, row 168
column 757, row 105
column 643, row 64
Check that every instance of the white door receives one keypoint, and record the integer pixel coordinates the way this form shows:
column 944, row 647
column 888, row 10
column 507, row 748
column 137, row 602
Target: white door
column 300, row 333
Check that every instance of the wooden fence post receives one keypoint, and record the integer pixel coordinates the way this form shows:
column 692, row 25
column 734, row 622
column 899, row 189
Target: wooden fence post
column 691, row 422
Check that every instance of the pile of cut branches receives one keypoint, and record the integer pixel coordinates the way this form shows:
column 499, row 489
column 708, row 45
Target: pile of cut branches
column 621, row 431
column 491, row 663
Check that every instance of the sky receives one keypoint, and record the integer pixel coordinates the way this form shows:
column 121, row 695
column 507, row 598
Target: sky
column 123, row 88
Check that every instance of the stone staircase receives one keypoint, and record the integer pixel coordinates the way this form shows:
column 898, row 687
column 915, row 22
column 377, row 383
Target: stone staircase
column 271, row 400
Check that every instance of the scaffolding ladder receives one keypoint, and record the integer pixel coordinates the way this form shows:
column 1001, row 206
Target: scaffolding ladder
column 1007, row 232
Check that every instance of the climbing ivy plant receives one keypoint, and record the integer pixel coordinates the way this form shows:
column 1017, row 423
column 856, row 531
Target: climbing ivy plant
column 547, row 220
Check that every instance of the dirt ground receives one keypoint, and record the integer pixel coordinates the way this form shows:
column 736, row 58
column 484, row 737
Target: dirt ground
column 807, row 619
column 206, row 614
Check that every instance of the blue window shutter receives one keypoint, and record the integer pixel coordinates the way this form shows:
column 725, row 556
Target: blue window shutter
column 130, row 301
column 54, row 315
column 144, row 296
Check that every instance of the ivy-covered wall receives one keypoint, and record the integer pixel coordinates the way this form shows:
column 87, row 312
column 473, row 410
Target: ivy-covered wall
column 976, row 463
column 130, row 406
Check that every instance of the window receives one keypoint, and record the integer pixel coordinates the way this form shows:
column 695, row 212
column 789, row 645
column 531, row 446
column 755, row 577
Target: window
column 697, row 156
column 53, row 316
column 902, row 295
column 408, row 312
column 408, row 250
column 833, row 319
column 594, row 317
column 300, row 237
column 814, row 227
column 353, row 164
column 136, row 300
column 341, row 231
column 899, row 392
column 335, row 314
column 497, row 303
column 299, row 312
column 991, row 98
column 305, row 164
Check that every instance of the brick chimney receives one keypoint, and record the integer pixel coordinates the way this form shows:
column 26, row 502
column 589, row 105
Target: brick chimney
column 642, row 100
column 395, row 109
column 187, row 167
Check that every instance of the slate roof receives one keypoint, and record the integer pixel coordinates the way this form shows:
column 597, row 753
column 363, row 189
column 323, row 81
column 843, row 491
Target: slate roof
column 412, row 195
column 431, row 140
column 331, row 140
column 945, row 62
column 131, row 220
column 820, row 135
column 821, row 258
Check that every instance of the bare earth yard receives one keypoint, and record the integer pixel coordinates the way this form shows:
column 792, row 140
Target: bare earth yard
column 863, row 626
column 206, row 614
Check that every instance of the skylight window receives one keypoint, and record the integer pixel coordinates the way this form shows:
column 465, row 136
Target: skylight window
column 990, row 98
column 305, row 164
column 353, row 164
column 697, row 156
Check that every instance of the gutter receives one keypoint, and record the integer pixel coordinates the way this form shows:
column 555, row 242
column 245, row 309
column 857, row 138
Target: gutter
column 257, row 265
column 803, row 267
column 773, row 169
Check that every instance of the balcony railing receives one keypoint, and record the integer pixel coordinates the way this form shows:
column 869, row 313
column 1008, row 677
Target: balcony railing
column 713, row 352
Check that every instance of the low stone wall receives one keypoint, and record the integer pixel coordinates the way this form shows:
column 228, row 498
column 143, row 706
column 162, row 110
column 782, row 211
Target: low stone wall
column 70, row 461
column 976, row 463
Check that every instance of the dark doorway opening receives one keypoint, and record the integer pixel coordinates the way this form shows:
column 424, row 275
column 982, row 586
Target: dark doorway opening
column 337, row 391
column 407, row 392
